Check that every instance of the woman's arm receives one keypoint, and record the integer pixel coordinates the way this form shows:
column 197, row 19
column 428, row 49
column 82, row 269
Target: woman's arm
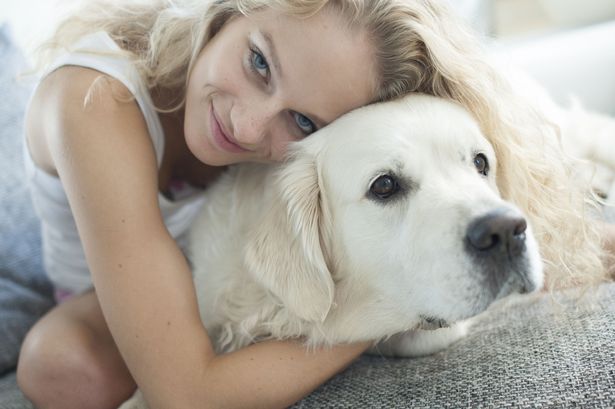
column 104, row 157
column 273, row 374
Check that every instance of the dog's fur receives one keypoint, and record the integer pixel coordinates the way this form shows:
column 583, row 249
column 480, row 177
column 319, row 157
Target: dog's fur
column 307, row 249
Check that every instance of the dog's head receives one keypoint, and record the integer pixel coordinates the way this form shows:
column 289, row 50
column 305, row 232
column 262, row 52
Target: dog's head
column 393, row 209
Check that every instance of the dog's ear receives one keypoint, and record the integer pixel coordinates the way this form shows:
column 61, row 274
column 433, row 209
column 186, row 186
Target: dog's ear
column 284, row 253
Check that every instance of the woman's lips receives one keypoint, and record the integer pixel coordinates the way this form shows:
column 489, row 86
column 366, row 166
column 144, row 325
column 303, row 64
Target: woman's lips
column 220, row 138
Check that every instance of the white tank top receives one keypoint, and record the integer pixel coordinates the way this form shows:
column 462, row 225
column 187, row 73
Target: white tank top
column 63, row 255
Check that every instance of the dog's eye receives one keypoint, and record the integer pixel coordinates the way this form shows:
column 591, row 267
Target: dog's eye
column 384, row 187
column 482, row 164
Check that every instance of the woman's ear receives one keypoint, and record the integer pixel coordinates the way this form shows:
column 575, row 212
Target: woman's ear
column 284, row 252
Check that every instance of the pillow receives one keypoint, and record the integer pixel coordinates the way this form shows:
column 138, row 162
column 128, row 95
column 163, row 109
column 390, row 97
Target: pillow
column 25, row 292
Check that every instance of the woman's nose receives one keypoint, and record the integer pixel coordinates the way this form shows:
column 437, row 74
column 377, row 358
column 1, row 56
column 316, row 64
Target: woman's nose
column 252, row 123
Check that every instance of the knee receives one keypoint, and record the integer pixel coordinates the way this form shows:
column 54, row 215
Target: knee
column 67, row 370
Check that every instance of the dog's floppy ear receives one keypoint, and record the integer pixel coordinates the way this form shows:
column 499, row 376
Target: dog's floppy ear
column 284, row 253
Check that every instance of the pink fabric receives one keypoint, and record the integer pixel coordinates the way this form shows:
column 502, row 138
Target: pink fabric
column 62, row 295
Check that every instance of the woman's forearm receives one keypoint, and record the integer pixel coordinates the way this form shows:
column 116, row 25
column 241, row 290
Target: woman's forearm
column 272, row 374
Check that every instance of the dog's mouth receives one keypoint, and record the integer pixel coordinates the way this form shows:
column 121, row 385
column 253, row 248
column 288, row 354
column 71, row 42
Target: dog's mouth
column 431, row 323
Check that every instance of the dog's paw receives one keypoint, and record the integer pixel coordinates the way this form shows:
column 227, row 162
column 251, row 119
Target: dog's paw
column 135, row 402
column 416, row 343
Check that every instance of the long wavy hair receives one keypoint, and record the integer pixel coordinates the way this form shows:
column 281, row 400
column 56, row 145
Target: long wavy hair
column 420, row 47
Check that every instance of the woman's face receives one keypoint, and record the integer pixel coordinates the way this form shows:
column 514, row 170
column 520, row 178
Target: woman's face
column 269, row 79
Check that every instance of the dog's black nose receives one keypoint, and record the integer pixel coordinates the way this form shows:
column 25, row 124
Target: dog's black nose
column 500, row 230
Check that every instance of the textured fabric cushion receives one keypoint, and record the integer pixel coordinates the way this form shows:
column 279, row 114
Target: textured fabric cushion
column 10, row 395
column 25, row 292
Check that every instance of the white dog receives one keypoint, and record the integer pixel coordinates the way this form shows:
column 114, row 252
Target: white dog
column 384, row 222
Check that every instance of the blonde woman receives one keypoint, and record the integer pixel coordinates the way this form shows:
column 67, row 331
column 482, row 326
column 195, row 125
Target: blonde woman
column 142, row 104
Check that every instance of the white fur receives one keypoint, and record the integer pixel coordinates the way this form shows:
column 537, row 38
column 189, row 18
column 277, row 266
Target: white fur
column 301, row 249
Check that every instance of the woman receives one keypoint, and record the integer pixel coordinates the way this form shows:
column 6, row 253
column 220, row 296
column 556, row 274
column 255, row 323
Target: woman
column 150, row 104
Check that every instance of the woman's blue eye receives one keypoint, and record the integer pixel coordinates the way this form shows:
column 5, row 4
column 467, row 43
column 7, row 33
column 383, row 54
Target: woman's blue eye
column 304, row 123
column 259, row 63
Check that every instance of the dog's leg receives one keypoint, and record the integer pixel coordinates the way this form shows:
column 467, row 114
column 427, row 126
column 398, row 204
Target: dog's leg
column 135, row 402
column 416, row 343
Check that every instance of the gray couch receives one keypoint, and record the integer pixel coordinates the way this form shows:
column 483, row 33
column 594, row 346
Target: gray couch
column 532, row 351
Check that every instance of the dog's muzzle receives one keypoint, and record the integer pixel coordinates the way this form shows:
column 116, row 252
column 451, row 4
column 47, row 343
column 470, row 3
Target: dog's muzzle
column 497, row 241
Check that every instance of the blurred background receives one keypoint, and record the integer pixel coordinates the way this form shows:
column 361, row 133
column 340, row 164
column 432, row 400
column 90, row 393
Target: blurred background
column 511, row 20
column 505, row 20
column 567, row 46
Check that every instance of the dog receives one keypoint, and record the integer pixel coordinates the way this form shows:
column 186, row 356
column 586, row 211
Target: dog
column 380, row 226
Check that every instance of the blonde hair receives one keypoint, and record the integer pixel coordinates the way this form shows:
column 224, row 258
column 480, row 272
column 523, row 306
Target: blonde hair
column 420, row 47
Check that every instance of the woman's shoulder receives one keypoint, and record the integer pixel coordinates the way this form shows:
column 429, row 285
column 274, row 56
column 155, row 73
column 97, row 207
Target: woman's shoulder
column 74, row 100
column 71, row 82
column 93, row 64
column 71, row 95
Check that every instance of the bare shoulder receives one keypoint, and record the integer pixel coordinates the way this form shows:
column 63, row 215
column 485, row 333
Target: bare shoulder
column 86, row 128
column 73, row 102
